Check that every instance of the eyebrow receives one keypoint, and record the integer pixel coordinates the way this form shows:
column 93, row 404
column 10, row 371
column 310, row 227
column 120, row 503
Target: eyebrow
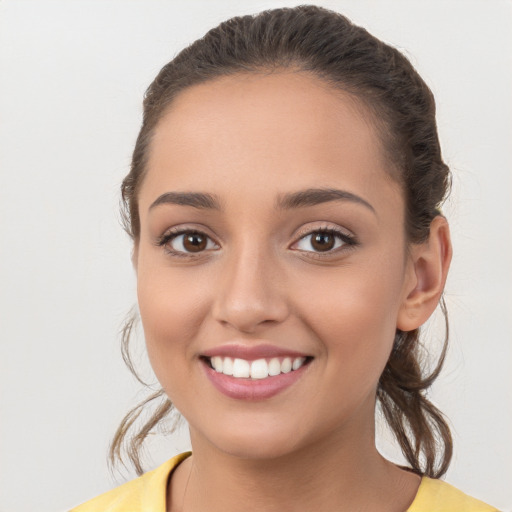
column 195, row 199
column 314, row 196
column 299, row 199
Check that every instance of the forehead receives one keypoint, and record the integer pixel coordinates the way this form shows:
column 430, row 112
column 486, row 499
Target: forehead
column 267, row 133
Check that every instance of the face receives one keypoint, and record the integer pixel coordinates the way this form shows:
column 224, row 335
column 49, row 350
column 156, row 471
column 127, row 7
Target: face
column 271, row 237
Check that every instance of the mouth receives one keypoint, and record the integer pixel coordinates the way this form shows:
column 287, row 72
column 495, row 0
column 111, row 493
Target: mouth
column 253, row 372
column 258, row 369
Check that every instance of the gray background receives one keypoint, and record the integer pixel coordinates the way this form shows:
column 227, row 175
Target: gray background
column 72, row 76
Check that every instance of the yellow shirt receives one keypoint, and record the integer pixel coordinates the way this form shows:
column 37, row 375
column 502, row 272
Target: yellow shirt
column 148, row 494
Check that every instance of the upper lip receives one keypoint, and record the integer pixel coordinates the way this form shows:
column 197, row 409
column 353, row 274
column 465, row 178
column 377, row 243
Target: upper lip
column 251, row 352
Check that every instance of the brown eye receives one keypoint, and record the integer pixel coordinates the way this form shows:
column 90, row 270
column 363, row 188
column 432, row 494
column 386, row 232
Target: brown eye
column 187, row 242
column 194, row 242
column 322, row 241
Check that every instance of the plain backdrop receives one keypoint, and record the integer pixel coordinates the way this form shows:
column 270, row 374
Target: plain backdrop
column 72, row 77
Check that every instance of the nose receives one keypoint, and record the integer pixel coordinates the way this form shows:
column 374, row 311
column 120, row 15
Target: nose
column 251, row 291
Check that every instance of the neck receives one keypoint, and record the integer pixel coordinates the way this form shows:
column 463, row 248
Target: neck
column 345, row 473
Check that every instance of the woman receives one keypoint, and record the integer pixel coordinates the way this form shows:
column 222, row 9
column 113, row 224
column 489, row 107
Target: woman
column 284, row 206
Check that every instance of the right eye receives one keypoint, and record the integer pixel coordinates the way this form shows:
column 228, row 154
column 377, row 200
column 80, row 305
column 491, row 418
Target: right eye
column 187, row 242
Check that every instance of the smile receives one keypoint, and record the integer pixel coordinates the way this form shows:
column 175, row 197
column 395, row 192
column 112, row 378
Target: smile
column 255, row 370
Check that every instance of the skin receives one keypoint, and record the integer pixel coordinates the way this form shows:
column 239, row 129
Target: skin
column 248, row 139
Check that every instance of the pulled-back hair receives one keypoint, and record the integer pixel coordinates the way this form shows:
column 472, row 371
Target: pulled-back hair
column 328, row 46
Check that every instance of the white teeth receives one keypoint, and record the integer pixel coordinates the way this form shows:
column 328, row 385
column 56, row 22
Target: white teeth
column 298, row 362
column 274, row 367
column 286, row 365
column 227, row 366
column 241, row 368
column 217, row 363
column 258, row 369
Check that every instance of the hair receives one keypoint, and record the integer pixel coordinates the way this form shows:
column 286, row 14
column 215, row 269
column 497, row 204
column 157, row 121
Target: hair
column 346, row 57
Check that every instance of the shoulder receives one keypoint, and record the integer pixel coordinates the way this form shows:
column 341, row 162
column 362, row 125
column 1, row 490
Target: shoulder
column 146, row 493
column 438, row 496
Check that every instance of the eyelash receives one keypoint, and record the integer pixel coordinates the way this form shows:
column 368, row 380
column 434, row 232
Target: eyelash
column 170, row 235
column 348, row 241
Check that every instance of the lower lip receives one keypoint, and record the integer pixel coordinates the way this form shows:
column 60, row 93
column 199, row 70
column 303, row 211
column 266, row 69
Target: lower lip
column 253, row 389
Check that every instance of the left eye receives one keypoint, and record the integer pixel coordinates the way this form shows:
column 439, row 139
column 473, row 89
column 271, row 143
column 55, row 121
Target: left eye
column 322, row 241
column 190, row 242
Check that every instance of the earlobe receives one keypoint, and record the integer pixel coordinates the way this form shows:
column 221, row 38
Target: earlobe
column 430, row 263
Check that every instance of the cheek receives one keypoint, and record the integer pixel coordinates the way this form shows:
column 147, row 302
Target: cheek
column 171, row 308
column 354, row 312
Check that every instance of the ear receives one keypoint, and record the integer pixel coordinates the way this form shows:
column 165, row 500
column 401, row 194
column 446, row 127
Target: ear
column 428, row 268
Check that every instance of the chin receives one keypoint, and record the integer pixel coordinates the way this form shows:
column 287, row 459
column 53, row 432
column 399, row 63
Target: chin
column 254, row 443
column 257, row 451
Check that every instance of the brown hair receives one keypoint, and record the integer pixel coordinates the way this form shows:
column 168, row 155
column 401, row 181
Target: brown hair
column 326, row 44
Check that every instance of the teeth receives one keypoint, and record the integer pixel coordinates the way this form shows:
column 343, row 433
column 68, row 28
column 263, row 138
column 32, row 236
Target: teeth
column 297, row 363
column 274, row 367
column 258, row 369
column 217, row 363
column 241, row 368
column 227, row 366
column 286, row 365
